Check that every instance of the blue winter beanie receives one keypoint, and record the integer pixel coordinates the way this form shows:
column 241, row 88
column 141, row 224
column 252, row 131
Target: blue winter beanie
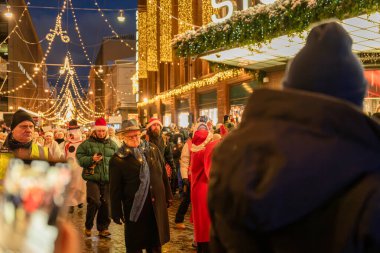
column 327, row 65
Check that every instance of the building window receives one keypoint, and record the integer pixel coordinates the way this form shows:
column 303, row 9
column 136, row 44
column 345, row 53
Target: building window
column 167, row 119
column 183, row 119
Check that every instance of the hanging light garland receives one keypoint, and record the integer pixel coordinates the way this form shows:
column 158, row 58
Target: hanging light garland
column 185, row 15
column 152, row 32
column 166, row 53
column 85, row 51
column 109, row 25
column 15, row 27
column 193, row 85
column 142, row 45
column 58, row 31
column 207, row 12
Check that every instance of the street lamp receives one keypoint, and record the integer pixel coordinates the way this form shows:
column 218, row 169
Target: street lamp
column 36, row 68
column 8, row 13
column 121, row 17
column 90, row 92
column 100, row 70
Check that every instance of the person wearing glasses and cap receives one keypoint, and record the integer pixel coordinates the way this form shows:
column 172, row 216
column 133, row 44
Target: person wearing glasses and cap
column 140, row 192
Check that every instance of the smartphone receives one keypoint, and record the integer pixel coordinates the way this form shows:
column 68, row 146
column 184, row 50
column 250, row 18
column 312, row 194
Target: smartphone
column 33, row 197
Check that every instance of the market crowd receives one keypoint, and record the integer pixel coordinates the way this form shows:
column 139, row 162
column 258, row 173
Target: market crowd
column 299, row 173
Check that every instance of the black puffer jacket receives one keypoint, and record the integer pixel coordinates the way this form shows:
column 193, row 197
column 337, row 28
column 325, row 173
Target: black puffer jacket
column 300, row 174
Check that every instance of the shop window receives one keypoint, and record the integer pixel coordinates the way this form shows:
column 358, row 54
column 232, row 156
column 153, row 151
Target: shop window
column 167, row 119
column 207, row 103
column 183, row 119
column 211, row 113
column 240, row 93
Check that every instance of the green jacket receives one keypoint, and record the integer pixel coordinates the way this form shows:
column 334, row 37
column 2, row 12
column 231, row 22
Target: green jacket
column 84, row 155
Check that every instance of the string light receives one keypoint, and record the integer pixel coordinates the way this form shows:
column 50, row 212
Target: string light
column 66, row 67
column 142, row 45
column 185, row 15
column 221, row 76
column 207, row 12
column 152, row 31
column 58, row 31
column 109, row 25
column 16, row 26
column 84, row 49
column 166, row 53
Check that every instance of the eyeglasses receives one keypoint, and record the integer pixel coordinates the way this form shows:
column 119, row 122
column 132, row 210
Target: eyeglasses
column 131, row 137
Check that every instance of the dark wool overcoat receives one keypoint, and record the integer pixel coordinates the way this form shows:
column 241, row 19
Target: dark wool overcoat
column 300, row 174
column 152, row 226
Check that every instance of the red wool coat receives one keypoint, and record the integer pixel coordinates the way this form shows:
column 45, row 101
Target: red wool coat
column 199, row 184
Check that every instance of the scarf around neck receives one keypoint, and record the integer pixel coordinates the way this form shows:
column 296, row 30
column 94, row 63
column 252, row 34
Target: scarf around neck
column 139, row 153
column 13, row 144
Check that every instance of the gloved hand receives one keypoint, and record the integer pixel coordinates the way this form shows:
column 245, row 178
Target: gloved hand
column 118, row 220
column 186, row 184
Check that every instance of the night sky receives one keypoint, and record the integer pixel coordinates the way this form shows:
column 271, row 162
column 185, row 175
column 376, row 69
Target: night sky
column 91, row 25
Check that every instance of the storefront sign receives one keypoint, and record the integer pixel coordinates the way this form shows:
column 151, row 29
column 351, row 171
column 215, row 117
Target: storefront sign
column 230, row 9
column 23, row 70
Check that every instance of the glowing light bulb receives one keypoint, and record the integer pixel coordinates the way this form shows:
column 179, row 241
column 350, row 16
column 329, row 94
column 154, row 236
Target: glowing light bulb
column 121, row 17
column 8, row 13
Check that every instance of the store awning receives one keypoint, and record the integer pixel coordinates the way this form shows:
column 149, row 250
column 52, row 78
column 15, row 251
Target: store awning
column 363, row 29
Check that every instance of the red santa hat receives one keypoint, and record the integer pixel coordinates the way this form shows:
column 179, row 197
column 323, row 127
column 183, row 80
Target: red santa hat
column 100, row 124
column 153, row 121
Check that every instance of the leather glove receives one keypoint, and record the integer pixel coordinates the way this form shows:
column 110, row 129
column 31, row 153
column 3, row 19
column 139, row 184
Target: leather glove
column 118, row 220
column 186, row 184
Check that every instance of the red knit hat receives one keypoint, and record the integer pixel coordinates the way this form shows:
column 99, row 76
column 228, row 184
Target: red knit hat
column 153, row 121
column 100, row 124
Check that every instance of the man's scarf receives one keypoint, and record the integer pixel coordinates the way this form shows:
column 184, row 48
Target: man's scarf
column 142, row 192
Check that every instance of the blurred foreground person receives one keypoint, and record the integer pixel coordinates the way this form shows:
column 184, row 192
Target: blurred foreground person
column 140, row 192
column 301, row 172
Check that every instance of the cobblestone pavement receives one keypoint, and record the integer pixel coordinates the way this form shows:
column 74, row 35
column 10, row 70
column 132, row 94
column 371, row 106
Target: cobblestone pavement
column 180, row 241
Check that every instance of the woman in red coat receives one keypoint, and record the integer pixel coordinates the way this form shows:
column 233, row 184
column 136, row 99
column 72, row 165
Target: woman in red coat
column 199, row 187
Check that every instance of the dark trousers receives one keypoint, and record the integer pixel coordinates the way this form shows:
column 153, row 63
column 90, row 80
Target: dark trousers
column 182, row 209
column 203, row 247
column 149, row 250
column 97, row 202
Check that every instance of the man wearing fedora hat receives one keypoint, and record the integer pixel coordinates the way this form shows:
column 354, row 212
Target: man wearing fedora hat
column 140, row 194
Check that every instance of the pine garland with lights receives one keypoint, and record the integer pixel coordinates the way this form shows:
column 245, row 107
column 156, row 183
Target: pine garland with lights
column 262, row 23
column 220, row 76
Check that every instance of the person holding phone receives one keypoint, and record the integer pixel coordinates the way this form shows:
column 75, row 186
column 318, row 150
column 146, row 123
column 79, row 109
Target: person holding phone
column 93, row 156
